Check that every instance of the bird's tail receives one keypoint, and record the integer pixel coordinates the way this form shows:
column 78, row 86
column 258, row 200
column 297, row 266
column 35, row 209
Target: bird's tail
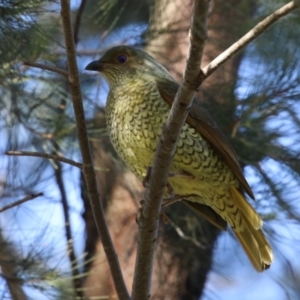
column 250, row 235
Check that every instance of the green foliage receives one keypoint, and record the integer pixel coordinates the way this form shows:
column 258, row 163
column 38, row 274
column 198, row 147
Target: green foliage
column 23, row 34
column 110, row 15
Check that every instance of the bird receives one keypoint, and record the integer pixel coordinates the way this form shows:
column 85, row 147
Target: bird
column 205, row 167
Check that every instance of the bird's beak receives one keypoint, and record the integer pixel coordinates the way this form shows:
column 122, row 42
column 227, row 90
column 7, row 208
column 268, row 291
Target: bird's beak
column 94, row 66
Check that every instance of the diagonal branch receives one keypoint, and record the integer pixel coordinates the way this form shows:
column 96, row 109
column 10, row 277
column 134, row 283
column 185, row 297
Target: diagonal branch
column 88, row 169
column 249, row 37
column 45, row 155
column 76, row 278
column 78, row 20
column 45, row 67
column 149, row 220
column 19, row 202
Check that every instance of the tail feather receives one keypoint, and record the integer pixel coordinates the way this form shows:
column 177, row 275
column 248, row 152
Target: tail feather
column 246, row 208
column 250, row 235
column 256, row 247
column 263, row 244
column 251, row 248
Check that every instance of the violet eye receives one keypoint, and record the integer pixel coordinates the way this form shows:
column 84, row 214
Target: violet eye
column 122, row 59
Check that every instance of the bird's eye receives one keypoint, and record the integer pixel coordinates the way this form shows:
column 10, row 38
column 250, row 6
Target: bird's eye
column 122, row 59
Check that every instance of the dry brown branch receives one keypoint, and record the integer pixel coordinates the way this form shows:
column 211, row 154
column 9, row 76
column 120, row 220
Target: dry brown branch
column 88, row 169
column 45, row 67
column 249, row 37
column 19, row 202
column 149, row 220
column 45, row 155
column 58, row 172
column 76, row 276
column 78, row 20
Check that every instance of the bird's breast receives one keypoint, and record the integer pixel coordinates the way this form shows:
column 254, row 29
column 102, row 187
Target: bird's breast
column 135, row 116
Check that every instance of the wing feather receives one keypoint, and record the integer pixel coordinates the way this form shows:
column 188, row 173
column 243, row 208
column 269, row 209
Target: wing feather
column 199, row 119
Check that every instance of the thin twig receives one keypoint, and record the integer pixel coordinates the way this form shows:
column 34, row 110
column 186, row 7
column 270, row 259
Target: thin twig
column 149, row 220
column 78, row 21
column 76, row 278
column 45, row 155
column 19, row 202
column 185, row 237
column 46, row 67
column 88, row 169
column 249, row 37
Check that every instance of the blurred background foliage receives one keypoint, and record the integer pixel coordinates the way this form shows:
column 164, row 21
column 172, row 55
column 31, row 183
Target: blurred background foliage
column 49, row 246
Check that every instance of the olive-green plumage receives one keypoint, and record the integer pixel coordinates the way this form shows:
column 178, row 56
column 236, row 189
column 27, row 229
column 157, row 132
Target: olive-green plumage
column 204, row 165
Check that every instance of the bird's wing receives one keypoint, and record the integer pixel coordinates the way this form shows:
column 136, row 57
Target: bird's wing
column 199, row 119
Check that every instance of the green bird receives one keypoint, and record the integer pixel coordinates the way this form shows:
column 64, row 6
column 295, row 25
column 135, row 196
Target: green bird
column 205, row 166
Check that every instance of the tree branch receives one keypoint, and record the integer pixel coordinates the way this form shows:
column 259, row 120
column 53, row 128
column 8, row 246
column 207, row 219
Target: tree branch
column 88, row 169
column 149, row 220
column 45, row 155
column 19, row 202
column 249, row 37
column 45, row 67
column 78, row 21
column 76, row 278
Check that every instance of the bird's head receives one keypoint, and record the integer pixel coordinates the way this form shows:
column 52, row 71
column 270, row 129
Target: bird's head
column 121, row 62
